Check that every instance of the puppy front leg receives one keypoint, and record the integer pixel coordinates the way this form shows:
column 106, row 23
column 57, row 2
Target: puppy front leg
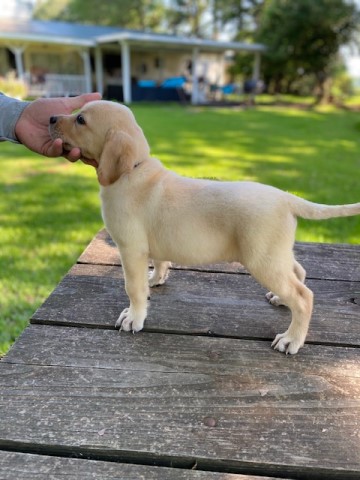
column 135, row 268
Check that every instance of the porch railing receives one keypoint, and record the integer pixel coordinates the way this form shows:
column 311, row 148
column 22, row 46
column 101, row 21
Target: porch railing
column 53, row 85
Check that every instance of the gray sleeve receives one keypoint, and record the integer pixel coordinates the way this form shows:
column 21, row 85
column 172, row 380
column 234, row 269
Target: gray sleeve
column 10, row 111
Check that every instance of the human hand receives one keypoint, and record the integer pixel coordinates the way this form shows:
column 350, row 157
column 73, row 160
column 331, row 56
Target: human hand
column 32, row 128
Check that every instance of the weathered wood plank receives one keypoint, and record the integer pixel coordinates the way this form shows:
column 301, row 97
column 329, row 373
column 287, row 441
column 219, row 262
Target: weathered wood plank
column 101, row 250
column 219, row 403
column 329, row 261
column 25, row 466
column 321, row 260
column 201, row 303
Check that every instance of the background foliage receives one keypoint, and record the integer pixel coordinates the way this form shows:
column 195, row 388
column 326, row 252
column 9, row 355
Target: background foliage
column 302, row 37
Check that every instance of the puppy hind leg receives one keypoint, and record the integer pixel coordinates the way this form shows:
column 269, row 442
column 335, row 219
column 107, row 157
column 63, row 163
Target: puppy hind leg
column 300, row 274
column 299, row 271
column 281, row 278
column 300, row 301
column 159, row 274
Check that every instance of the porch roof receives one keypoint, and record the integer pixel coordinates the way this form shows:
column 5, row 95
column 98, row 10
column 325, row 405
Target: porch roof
column 176, row 41
column 65, row 33
column 38, row 31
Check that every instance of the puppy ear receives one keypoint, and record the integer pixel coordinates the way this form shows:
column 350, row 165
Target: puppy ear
column 118, row 157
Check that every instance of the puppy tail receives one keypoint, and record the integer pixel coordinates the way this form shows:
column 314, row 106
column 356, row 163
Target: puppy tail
column 316, row 211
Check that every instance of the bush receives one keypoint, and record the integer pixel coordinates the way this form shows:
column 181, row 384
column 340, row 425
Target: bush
column 13, row 87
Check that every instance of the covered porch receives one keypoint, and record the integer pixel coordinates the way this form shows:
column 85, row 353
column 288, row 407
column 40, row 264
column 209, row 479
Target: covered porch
column 196, row 65
column 53, row 58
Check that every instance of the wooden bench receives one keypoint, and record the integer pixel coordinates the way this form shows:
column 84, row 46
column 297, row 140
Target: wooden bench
column 199, row 394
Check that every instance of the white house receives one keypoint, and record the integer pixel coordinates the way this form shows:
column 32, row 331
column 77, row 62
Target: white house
column 59, row 58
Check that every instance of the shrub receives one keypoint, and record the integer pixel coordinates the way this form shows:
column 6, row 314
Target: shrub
column 12, row 86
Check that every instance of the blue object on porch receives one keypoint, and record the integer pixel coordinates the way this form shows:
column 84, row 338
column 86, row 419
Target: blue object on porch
column 174, row 82
column 146, row 83
column 227, row 89
column 148, row 94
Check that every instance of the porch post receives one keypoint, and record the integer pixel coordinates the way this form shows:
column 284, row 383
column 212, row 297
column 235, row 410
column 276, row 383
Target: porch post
column 87, row 70
column 256, row 67
column 126, row 71
column 195, row 81
column 99, row 70
column 18, row 51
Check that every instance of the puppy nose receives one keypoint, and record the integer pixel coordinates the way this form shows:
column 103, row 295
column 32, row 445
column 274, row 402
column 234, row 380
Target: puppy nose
column 53, row 120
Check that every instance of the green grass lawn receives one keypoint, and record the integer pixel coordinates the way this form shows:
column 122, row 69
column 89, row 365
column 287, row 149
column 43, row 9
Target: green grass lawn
column 49, row 208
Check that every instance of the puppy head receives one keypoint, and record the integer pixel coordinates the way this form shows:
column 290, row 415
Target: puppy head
column 108, row 136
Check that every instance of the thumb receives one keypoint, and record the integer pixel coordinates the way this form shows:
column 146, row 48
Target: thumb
column 53, row 148
column 75, row 103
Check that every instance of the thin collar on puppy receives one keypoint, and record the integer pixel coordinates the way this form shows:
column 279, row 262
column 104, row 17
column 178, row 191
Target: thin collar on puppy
column 90, row 161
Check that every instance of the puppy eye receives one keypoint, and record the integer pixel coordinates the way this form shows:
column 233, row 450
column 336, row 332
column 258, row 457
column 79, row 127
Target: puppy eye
column 80, row 120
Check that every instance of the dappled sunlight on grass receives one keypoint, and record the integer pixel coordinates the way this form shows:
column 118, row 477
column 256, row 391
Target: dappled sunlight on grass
column 254, row 139
column 314, row 153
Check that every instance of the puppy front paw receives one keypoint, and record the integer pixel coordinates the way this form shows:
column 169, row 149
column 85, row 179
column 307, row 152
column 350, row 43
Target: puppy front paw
column 286, row 343
column 130, row 320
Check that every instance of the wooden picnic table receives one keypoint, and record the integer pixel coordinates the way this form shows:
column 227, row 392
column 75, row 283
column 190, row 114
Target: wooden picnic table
column 198, row 394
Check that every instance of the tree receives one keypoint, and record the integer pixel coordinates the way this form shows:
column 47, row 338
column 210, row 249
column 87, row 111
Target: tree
column 137, row 14
column 211, row 18
column 240, row 17
column 201, row 18
column 187, row 17
column 48, row 10
column 303, row 39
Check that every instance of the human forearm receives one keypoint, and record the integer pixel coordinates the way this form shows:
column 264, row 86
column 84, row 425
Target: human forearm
column 10, row 111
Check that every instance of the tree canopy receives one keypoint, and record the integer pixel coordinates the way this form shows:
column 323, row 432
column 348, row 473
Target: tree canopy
column 202, row 18
column 303, row 38
column 137, row 14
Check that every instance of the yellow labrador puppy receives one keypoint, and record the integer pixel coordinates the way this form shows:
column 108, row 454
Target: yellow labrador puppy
column 151, row 212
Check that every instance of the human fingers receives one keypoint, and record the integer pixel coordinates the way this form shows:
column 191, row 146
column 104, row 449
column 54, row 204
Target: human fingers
column 73, row 155
column 54, row 149
column 74, row 103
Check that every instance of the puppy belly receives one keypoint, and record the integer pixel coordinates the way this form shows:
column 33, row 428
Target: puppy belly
column 199, row 253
